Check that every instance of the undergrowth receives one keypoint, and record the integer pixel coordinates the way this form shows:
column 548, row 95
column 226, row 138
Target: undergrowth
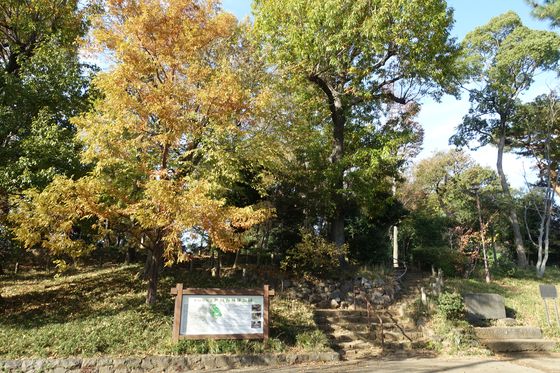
column 101, row 311
column 522, row 301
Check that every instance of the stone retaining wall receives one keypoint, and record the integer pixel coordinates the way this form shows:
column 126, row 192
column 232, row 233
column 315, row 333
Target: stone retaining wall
column 343, row 294
column 160, row 363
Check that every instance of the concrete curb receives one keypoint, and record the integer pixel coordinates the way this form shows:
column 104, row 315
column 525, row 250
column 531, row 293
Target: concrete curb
column 161, row 363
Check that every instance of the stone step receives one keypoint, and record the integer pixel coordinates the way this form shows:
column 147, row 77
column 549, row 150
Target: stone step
column 350, row 324
column 337, row 316
column 360, row 327
column 512, row 332
column 397, row 345
column 355, row 345
column 386, row 325
column 339, row 312
column 362, row 331
column 518, row 345
column 347, row 335
column 357, row 319
column 398, row 336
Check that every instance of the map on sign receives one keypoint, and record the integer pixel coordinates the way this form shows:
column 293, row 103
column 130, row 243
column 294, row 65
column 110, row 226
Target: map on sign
column 221, row 314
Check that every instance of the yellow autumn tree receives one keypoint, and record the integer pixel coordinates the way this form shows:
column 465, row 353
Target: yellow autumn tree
column 175, row 123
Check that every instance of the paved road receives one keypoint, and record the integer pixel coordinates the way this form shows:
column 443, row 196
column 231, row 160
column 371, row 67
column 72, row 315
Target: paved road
column 511, row 364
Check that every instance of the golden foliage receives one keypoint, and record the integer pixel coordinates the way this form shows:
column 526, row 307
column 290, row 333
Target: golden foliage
column 175, row 123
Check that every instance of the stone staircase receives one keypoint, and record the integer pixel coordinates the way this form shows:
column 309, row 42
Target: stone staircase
column 349, row 331
column 356, row 335
column 387, row 329
column 513, row 339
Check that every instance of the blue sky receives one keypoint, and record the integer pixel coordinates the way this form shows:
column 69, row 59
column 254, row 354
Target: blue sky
column 439, row 119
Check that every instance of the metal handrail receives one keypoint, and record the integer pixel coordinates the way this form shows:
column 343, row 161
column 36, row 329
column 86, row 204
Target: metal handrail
column 399, row 277
column 397, row 324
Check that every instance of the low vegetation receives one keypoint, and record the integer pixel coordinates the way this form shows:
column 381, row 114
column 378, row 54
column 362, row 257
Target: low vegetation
column 521, row 293
column 522, row 300
column 102, row 311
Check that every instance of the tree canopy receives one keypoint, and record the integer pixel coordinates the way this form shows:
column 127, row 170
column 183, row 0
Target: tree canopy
column 272, row 139
column 42, row 85
column 358, row 56
column 164, row 138
column 502, row 58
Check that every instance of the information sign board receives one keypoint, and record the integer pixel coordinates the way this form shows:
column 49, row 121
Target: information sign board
column 220, row 313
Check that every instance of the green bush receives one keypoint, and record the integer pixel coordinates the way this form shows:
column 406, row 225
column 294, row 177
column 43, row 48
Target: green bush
column 450, row 261
column 312, row 340
column 505, row 266
column 313, row 255
column 455, row 338
column 450, row 306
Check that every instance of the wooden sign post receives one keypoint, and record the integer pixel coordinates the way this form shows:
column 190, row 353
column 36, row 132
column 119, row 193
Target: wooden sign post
column 221, row 313
column 549, row 292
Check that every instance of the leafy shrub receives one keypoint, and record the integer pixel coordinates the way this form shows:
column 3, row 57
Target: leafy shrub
column 450, row 306
column 61, row 267
column 418, row 310
column 505, row 266
column 455, row 338
column 450, row 261
column 313, row 255
column 312, row 340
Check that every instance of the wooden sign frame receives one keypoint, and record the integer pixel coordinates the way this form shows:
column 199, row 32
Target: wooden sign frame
column 179, row 291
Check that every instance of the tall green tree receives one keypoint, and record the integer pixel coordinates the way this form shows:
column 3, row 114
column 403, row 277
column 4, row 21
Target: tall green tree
column 536, row 125
column 536, row 129
column 358, row 56
column 42, row 85
column 454, row 200
column 502, row 58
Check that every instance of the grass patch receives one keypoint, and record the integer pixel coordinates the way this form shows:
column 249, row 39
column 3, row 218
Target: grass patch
column 455, row 337
column 101, row 311
column 521, row 294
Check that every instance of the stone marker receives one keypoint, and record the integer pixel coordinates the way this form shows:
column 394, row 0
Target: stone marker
column 548, row 291
column 484, row 306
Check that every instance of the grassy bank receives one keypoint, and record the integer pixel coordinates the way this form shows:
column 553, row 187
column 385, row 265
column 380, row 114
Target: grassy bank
column 521, row 294
column 101, row 311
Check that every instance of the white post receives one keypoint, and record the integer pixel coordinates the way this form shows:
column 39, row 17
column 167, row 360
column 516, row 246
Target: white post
column 395, row 247
column 395, row 234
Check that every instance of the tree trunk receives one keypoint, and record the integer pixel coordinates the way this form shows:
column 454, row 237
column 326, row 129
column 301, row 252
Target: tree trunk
column 236, row 259
column 544, row 231
column 338, row 118
column 483, row 240
column 494, row 254
column 395, row 247
column 156, row 255
column 219, row 263
column 514, row 221
column 130, row 254
column 147, row 266
column 337, row 227
column 543, row 243
column 337, row 230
